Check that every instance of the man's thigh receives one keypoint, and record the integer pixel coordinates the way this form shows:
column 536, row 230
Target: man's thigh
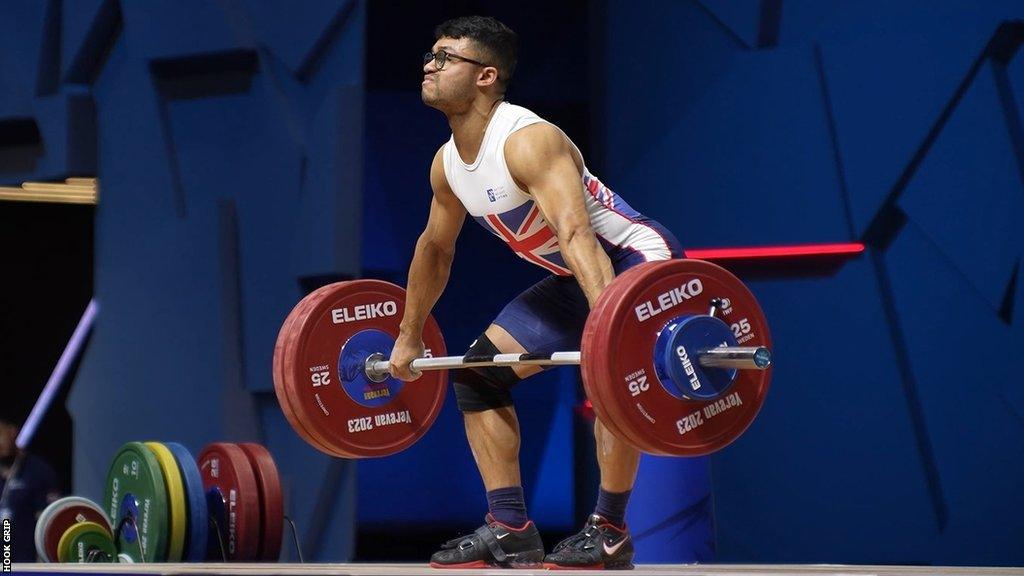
column 547, row 317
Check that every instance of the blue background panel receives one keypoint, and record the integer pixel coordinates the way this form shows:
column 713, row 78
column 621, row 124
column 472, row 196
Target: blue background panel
column 889, row 65
column 21, row 49
column 86, row 29
column 957, row 349
column 730, row 169
column 981, row 184
column 678, row 50
column 672, row 511
column 741, row 17
column 295, row 32
column 184, row 28
column 836, row 413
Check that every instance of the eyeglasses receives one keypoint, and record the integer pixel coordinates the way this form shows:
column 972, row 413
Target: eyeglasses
column 441, row 57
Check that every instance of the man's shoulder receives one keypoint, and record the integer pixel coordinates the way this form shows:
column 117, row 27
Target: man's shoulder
column 540, row 137
column 515, row 110
column 438, row 172
column 517, row 119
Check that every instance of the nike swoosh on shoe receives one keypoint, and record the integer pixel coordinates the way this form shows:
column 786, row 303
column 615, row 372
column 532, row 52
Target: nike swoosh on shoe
column 611, row 551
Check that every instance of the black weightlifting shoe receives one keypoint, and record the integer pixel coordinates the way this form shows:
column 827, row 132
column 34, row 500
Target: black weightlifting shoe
column 599, row 546
column 493, row 545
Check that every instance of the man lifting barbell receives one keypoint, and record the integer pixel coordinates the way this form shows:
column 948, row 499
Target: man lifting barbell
column 525, row 181
column 674, row 353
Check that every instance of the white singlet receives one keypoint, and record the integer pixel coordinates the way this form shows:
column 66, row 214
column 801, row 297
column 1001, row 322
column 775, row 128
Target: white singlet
column 493, row 199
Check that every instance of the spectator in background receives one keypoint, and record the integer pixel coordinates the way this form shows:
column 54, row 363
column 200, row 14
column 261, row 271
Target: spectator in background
column 24, row 494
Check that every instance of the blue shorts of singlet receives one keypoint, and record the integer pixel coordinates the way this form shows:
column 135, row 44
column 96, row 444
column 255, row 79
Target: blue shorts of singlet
column 549, row 316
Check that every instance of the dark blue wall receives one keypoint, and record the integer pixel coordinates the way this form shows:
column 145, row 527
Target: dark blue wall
column 249, row 151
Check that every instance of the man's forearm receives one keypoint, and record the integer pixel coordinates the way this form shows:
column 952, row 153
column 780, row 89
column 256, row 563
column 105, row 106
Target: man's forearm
column 428, row 276
column 588, row 261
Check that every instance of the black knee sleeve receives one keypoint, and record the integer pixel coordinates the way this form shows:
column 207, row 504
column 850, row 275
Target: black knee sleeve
column 485, row 388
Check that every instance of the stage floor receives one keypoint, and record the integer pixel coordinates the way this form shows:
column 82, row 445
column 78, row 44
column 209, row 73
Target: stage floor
column 420, row 569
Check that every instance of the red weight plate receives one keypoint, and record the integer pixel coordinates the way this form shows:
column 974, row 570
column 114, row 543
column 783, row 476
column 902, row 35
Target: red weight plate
column 280, row 388
column 595, row 369
column 233, row 500
column 346, row 415
column 606, row 409
column 281, row 384
column 271, row 500
column 64, row 514
column 617, row 350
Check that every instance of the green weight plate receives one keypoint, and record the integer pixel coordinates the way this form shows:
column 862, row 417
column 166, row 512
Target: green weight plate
column 135, row 498
column 86, row 542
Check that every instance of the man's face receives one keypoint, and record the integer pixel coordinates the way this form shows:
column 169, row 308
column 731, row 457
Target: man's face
column 455, row 82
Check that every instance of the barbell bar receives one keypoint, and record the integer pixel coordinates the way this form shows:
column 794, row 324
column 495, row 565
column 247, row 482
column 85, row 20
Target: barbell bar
column 378, row 368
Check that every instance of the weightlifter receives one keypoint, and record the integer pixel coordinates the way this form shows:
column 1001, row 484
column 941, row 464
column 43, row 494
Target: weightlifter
column 524, row 180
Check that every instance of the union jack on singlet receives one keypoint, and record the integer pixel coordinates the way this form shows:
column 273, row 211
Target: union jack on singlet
column 491, row 196
column 528, row 235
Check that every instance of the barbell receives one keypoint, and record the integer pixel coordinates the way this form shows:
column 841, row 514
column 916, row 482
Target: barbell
column 675, row 357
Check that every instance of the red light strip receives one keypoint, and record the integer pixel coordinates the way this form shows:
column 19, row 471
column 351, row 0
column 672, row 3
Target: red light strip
column 758, row 252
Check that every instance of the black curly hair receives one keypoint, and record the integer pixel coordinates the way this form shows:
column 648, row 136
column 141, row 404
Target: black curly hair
column 498, row 42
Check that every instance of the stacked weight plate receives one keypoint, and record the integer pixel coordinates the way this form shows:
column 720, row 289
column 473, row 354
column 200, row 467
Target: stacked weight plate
column 246, row 506
column 226, row 505
column 162, row 505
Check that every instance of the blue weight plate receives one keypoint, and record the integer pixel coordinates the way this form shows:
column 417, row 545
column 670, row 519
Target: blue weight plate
column 195, row 494
column 676, row 353
column 352, row 372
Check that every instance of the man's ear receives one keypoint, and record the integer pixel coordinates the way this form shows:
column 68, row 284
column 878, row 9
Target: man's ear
column 487, row 77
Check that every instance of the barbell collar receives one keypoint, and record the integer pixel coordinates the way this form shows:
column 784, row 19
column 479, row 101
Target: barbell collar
column 740, row 357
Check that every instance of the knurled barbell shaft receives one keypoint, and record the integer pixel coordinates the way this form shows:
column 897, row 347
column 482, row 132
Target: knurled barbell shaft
column 739, row 357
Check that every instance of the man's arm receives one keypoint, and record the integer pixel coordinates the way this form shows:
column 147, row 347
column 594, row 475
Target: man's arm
column 429, row 270
column 540, row 158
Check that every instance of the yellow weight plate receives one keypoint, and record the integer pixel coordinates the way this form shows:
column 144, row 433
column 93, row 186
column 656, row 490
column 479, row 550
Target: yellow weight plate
column 76, row 531
column 176, row 498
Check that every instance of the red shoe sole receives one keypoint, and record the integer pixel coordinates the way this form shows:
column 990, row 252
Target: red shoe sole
column 482, row 564
column 473, row 564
